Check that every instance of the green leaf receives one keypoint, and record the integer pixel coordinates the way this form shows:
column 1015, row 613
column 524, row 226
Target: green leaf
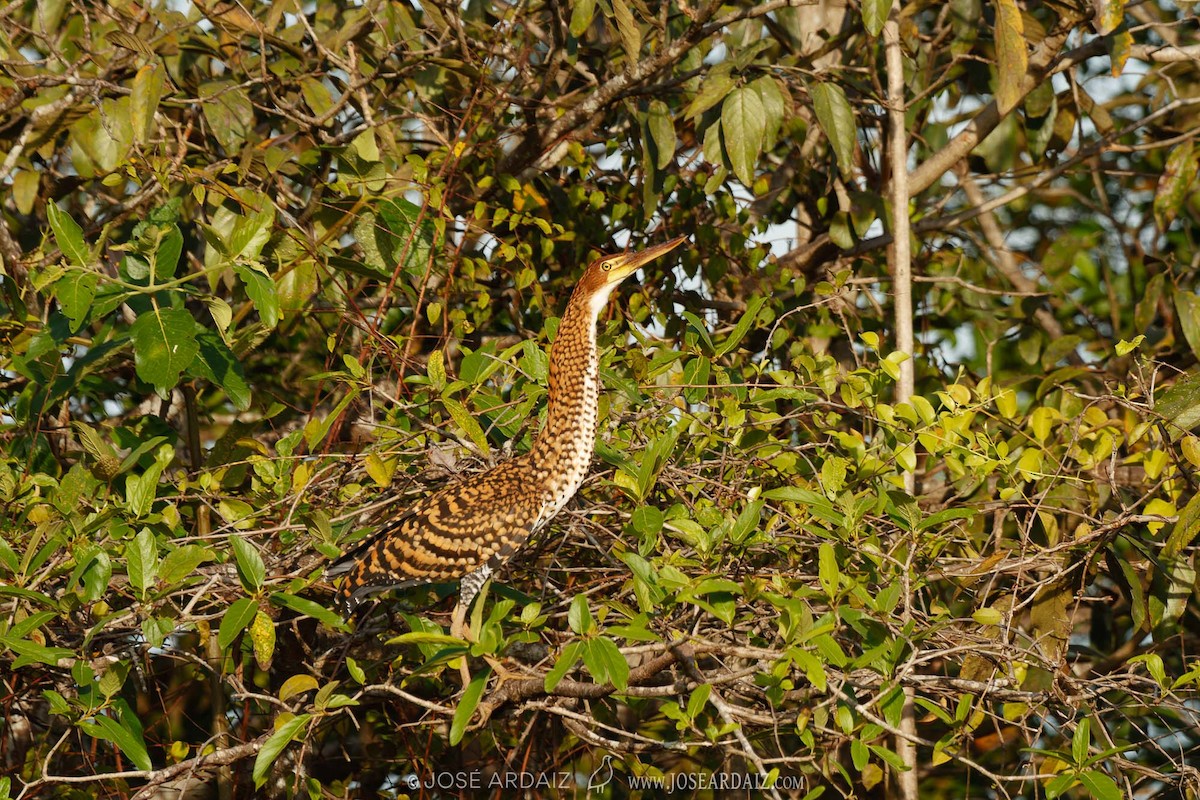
column 988, row 616
column 615, row 665
column 93, row 569
column 697, row 325
column 250, row 567
column 261, row 290
column 412, row 242
column 859, row 754
column 31, row 652
column 874, row 14
column 316, row 95
column 662, row 133
column 646, row 520
column 141, row 490
column 25, row 186
column 129, row 741
column 566, row 662
column 310, row 608
column 1100, row 786
column 934, row 520
column 582, row 12
column 596, row 665
column 828, row 572
column 579, row 616
column 892, row 759
column 743, row 124
column 712, row 91
column 356, row 672
column 167, row 252
column 1181, row 404
column 285, row 733
column 1080, row 741
column 425, row 637
column 141, row 556
column 774, row 107
column 833, row 474
column 1124, row 348
column 1184, row 530
column 836, row 118
column 1058, row 785
column 229, row 112
column 164, row 345
column 535, row 361
column 747, row 522
column 744, row 323
column 68, row 236
column 698, row 700
column 466, row 706
column 180, row 563
column 237, row 617
column 317, row 429
column 695, row 377
column 75, row 292
column 217, row 364
column 1012, row 56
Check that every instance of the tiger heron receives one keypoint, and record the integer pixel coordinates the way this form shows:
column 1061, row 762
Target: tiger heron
column 468, row 529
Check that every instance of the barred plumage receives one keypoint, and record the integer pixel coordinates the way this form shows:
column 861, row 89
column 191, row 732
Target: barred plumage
column 469, row 529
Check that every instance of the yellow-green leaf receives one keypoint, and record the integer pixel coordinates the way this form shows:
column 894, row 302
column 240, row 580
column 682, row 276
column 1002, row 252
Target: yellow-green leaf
column 1012, row 56
column 467, row 423
column 297, row 684
column 1109, row 14
column 381, row 471
column 1120, row 45
column 1006, row 403
column 874, row 14
column 262, row 636
column 146, row 92
column 662, row 133
column 631, row 35
column 1161, row 508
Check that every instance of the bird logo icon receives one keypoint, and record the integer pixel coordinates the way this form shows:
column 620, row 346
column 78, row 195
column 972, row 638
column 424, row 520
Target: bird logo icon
column 602, row 776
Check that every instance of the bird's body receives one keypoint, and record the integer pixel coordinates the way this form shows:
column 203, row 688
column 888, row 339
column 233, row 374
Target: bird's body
column 468, row 529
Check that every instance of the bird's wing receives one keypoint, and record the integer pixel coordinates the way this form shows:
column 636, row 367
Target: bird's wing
column 349, row 559
column 468, row 525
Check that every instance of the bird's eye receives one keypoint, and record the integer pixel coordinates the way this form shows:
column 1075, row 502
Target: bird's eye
column 606, row 265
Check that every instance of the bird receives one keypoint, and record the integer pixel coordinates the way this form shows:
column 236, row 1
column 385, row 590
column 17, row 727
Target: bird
column 469, row 529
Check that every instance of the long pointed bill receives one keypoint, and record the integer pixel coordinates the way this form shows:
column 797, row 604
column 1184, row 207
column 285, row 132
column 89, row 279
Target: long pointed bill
column 624, row 264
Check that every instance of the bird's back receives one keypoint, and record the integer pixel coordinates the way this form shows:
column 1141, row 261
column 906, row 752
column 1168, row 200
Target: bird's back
column 474, row 524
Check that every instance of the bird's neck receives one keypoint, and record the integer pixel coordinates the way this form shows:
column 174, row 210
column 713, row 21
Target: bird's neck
column 564, row 446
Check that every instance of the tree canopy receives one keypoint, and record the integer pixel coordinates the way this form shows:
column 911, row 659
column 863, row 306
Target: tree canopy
column 895, row 490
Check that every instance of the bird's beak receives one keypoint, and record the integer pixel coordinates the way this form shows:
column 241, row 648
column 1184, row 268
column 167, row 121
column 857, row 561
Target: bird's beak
column 625, row 264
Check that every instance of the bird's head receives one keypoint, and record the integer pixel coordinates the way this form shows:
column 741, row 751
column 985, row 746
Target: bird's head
column 603, row 274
